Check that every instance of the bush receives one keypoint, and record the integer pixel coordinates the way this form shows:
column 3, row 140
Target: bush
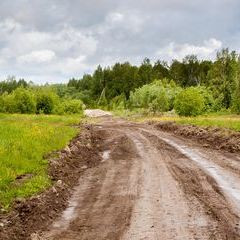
column 156, row 97
column 9, row 104
column 46, row 101
column 236, row 97
column 73, row 106
column 118, row 102
column 2, row 109
column 209, row 102
column 69, row 106
column 24, row 101
column 189, row 102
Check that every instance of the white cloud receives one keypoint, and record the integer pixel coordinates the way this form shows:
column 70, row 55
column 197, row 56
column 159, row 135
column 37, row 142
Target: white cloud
column 74, row 65
column 127, row 21
column 179, row 51
column 9, row 25
column 103, row 32
column 41, row 56
column 115, row 17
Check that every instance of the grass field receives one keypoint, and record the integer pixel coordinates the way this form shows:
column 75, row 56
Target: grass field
column 222, row 120
column 24, row 139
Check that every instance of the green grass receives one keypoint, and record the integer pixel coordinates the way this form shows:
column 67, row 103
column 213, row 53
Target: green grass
column 24, row 140
column 228, row 121
column 222, row 120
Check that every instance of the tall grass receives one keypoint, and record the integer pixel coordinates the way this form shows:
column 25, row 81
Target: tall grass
column 24, row 140
column 222, row 120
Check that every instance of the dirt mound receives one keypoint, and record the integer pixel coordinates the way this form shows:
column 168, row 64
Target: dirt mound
column 96, row 113
column 217, row 138
column 38, row 212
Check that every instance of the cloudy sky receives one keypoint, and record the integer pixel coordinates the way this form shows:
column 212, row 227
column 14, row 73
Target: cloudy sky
column 54, row 40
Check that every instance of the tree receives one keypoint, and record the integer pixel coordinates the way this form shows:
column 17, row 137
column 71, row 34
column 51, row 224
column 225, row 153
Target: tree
column 236, row 93
column 222, row 76
column 189, row 102
column 45, row 101
column 24, row 101
column 145, row 72
column 160, row 70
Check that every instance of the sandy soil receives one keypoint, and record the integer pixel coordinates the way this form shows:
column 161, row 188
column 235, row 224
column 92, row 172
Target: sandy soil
column 96, row 113
column 150, row 184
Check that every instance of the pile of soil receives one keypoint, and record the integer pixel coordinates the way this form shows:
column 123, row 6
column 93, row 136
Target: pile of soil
column 65, row 167
column 218, row 138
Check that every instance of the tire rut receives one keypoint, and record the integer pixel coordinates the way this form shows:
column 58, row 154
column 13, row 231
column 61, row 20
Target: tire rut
column 201, row 185
column 144, row 189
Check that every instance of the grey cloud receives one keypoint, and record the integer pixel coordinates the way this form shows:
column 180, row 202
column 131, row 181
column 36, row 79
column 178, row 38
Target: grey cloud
column 54, row 40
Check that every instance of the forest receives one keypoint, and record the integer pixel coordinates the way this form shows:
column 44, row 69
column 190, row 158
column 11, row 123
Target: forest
column 189, row 87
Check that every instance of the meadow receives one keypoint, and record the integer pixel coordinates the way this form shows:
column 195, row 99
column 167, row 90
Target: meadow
column 24, row 141
column 221, row 119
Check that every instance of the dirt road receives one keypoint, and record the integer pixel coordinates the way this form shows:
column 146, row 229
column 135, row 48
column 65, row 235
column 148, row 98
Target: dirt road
column 152, row 185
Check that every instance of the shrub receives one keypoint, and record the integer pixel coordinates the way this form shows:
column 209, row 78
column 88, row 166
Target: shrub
column 189, row 102
column 73, row 106
column 160, row 103
column 24, row 101
column 209, row 102
column 236, row 97
column 118, row 102
column 69, row 106
column 157, row 97
column 45, row 101
column 2, row 104
column 9, row 104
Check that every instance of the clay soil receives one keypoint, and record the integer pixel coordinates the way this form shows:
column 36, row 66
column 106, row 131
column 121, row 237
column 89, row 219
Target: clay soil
column 122, row 180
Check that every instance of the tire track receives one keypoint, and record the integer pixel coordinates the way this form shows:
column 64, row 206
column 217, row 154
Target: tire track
column 146, row 188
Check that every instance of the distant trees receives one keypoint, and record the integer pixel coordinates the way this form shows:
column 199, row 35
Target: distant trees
column 10, row 84
column 222, row 75
column 38, row 100
column 153, row 86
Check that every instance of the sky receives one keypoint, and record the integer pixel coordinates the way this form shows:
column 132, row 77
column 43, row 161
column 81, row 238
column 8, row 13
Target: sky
column 55, row 40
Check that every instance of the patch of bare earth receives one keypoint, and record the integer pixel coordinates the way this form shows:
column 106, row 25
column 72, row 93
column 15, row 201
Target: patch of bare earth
column 218, row 138
column 36, row 213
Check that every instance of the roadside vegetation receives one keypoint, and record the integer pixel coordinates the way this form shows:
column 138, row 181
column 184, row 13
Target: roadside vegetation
column 34, row 119
column 221, row 120
column 190, row 87
column 24, row 141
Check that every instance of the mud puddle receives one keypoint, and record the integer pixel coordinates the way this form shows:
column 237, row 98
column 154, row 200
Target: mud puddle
column 228, row 183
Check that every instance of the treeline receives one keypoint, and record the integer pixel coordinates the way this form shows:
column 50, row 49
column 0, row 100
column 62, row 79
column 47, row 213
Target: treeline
column 221, row 78
column 22, row 97
column 155, row 87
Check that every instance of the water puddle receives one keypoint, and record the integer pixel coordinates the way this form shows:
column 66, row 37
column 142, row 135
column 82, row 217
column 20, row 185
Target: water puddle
column 229, row 183
column 71, row 212
column 105, row 155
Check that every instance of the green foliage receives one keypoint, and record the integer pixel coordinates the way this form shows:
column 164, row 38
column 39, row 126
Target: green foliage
column 10, row 84
column 216, row 81
column 24, row 101
column 25, row 139
column 9, row 104
column 156, row 97
column 45, row 101
column 69, row 106
column 2, row 104
column 236, row 96
column 118, row 103
column 189, row 102
column 222, row 76
column 209, row 103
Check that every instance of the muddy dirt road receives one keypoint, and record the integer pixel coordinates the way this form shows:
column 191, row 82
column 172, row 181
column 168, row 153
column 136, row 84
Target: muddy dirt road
column 152, row 185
